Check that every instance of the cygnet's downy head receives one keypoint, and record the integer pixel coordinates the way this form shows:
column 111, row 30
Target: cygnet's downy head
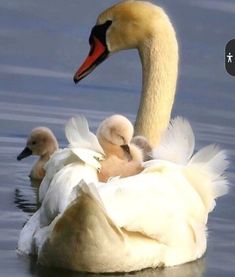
column 41, row 141
column 114, row 132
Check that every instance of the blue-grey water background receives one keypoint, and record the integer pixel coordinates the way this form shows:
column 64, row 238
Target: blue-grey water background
column 41, row 45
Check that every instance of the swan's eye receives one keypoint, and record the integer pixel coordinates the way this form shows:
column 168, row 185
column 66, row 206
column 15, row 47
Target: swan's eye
column 99, row 31
column 34, row 142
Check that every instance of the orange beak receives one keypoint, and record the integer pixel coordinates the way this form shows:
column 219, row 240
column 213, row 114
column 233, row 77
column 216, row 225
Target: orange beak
column 98, row 53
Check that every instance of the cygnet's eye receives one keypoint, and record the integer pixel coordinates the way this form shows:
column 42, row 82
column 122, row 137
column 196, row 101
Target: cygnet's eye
column 123, row 139
column 34, row 142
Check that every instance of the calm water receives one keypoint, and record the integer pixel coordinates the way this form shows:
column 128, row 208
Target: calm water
column 43, row 42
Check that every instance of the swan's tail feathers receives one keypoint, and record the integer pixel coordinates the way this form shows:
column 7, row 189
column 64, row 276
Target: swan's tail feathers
column 177, row 143
column 78, row 134
column 205, row 172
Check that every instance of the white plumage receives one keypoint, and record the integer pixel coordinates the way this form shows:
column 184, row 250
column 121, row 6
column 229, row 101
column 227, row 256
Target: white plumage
column 156, row 217
column 177, row 144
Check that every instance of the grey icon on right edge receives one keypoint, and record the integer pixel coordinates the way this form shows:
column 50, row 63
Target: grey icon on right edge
column 230, row 57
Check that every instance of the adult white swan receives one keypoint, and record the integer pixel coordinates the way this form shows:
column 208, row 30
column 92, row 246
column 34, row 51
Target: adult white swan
column 141, row 25
column 158, row 217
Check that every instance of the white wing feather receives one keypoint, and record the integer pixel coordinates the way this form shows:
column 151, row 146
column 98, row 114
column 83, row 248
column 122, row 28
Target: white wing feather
column 78, row 134
column 177, row 144
column 89, row 157
column 57, row 161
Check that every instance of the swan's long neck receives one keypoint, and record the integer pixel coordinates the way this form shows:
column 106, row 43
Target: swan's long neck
column 159, row 57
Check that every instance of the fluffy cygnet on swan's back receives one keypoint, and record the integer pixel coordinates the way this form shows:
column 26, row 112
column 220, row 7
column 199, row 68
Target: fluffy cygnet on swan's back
column 122, row 158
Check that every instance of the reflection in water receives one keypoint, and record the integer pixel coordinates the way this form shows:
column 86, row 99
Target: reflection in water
column 194, row 269
column 27, row 203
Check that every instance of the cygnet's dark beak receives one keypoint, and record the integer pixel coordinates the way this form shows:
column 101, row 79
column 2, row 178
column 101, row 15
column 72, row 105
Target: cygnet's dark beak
column 25, row 153
column 127, row 151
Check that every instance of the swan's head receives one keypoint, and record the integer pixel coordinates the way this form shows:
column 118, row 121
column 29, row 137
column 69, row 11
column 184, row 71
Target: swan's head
column 129, row 24
column 115, row 130
column 41, row 141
